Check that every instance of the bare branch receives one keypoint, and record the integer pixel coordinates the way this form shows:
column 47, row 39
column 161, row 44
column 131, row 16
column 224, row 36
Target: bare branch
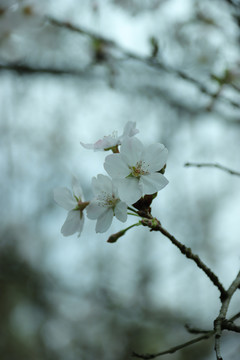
column 221, row 319
column 154, row 225
column 213, row 165
column 149, row 61
column 192, row 330
column 152, row 62
column 175, row 348
column 235, row 317
column 24, row 69
column 229, row 325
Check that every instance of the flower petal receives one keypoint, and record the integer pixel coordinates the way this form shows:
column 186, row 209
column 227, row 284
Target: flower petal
column 155, row 156
column 80, row 225
column 129, row 130
column 152, row 183
column 129, row 190
column 94, row 210
column 104, row 221
column 102, row 184
column 73, row 223
column 121, row 211
column 77, row 189
column 64, row 198
column 131, row 151
column 87, row 146
column 115, row 166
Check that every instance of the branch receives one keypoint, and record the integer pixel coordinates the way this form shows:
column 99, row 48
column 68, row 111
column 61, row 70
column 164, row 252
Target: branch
column 154, row 225
column 221, row 319
column 175, row 348
column 220, row 323
column 215, row 165
column 226, row 325
column 152, row 62
column 235, row 317
column 156, row 64
column 192, row 330
column 24, row 69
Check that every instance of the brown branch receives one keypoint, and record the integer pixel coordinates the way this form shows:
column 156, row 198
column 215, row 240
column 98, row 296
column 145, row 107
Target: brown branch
column 229, row 325
column 149, row 61
column 213, row 165
column 192, row 330
column 175, row 348
column 152, row 62
column 24, row 69
column 220, row 322
column 235, row 317
column 154, row 225
column 226, row 325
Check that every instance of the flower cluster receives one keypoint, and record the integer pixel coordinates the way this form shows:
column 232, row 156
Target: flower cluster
column 135, row 176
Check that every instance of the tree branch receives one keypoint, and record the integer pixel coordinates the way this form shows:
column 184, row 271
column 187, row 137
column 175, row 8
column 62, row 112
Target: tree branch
column 24, row 69
column 175, row 348
column 152, row 62
column 154, row 225
column 226, row 325
column 149, row 61
column 220, row 321
column 214, row 165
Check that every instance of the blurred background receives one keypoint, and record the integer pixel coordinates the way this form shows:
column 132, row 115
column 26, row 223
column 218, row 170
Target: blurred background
column 74, row 71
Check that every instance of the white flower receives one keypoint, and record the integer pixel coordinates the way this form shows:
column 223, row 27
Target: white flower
column 73, row 202
column 135, row 170
column 111, row 141
column 106, row 204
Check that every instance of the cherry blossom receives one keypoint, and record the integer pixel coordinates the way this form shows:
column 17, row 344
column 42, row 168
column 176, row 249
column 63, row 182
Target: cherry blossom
column 113, row 140
column 73, row 202
column 135, row 170
column 106, row 203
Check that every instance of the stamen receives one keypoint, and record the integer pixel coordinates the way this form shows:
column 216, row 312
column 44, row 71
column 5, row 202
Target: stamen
column 141, row 168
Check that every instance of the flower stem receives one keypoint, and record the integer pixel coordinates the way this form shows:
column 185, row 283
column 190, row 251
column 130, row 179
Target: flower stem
column 114, row 237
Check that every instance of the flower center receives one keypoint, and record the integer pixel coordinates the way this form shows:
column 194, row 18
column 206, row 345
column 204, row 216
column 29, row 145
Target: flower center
column 138, row 170
column 105, row 199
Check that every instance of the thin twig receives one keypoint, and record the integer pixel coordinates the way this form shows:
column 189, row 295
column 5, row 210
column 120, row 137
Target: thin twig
column 188, row 253
column 175, row 348
column 24, row 69
column 226, row 325
column 235, row 317
column 230, row 326
column 213, row 165
column 156, row 64
column 221, row 319
column 192, row 330
column 152, row 62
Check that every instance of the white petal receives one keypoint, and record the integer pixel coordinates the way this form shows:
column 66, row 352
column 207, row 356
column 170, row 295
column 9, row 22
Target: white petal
column 104, row 221
column 129, row 129
column 131, row 150
column 94, row 210
column 121, row 211
column 64, row 198
column 129, row 190
column 155, row 156
column 107, row 142
column 81, row 223
column 73, row 223
column 115, row 166
column 77, row 190
column 153, row 182
column 87, row 146
column 102, row 183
